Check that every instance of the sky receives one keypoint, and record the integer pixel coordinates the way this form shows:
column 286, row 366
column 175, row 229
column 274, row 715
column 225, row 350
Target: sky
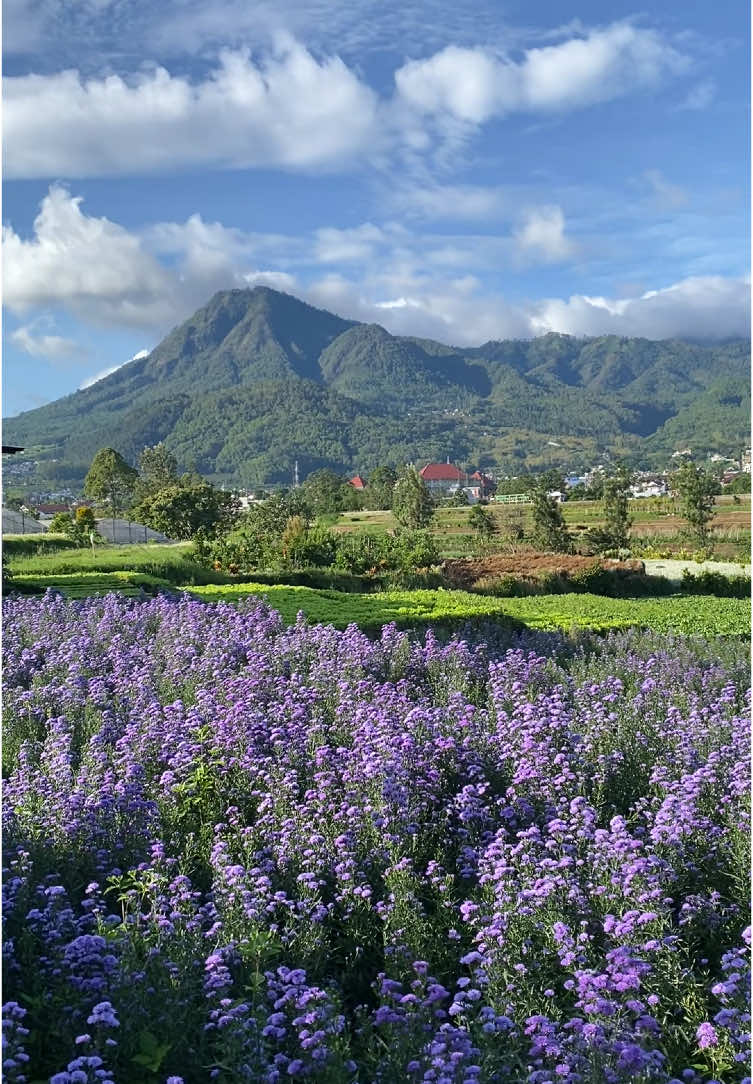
column 463, row 170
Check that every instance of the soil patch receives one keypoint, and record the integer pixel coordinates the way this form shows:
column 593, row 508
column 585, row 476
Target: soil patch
column 466, row 572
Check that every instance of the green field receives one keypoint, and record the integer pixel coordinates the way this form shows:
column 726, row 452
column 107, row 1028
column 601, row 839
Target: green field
column 694, row 615
column 654, row 520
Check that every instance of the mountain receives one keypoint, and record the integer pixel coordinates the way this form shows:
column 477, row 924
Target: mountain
column 257, row 379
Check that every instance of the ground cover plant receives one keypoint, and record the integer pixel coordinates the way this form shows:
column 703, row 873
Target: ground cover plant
column 168, row 562
column 239, row 851
column 691, row 614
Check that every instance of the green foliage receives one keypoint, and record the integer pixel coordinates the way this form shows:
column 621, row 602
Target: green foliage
column 326, row 492
column 28, row 544
column 173, row 564
column 158, row 469
column 741, row 484
column 79, row 526
column 110, row 479
column 188, row 511
column 691, row 615
column 412, row 504
column 379, row 489
column 549, row 529
column 715, row 583
column 256, row 379
column 696, row 490
column 482, row 522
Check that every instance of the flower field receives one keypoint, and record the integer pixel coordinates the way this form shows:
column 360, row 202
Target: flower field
column 243, row 851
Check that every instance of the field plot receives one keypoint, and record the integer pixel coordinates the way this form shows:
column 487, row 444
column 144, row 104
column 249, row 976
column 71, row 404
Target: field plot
column 237, row 851
column 693, row 615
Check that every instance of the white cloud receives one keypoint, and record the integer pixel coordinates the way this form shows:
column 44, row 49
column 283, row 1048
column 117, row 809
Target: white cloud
column 474, row 85
column 459, row 202
column 667, row 196
column 418, row 284
column 92, row 265
column 112, row 369
column 704, row 307
column 52, row 347
column 542, row 236
column 288, row 109
column 700, row 96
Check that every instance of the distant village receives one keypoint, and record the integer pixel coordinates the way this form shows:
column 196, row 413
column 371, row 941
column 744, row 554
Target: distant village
column 444, row 481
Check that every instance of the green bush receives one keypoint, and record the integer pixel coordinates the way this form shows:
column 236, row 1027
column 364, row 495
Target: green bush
column 715, row 583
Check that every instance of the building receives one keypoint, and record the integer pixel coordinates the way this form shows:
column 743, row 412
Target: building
column 649, row 488
column 745, row 461
column 443, row 479
column 485, row 485
column 357, row 482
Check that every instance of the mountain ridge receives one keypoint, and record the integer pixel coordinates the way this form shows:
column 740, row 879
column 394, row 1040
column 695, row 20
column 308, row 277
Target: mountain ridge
column 256, row 379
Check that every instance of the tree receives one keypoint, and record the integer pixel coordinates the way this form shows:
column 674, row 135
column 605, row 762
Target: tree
column 199, row 510
column 323, row 491
column 549, row 530
column 617, row 522
column 112, row 480
column 79, row 526
column 412, row 504
column 380, row 487
column 482, row 521
column 696, row 490
column 158, row 468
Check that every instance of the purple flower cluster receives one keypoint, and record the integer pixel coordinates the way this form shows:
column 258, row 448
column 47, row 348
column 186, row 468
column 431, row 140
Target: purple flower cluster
column 236, row 851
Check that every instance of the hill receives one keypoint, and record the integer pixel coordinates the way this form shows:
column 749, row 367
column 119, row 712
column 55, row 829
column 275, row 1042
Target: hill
column 257, row 379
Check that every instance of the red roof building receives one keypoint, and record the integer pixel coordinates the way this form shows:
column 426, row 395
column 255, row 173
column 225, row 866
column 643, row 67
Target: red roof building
column 357, row 482
column 442, row 472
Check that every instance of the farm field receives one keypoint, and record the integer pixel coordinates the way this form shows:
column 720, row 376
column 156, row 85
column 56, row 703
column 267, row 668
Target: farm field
column 690, row 614
column 653, row 519
column 237, row 850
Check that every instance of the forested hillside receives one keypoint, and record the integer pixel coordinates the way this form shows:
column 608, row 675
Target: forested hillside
column 257, row 379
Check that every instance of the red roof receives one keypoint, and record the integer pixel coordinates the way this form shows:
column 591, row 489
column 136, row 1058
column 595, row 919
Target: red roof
column 357, row 482
column 441, row 472
column 51, row 509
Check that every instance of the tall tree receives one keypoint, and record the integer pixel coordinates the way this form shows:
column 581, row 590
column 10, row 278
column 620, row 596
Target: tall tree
column 696, row 490
column 193, row 511
column 482, row 522
column 412, row 504
column 380, row 486
column 112, row 480
column 158, row 468
column 549, row 530
column 617, row 522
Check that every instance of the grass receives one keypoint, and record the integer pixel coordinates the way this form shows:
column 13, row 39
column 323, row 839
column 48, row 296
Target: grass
column 26, row 545
column 654, row 521
column 699, row 614
column 86, row 584
column 171, row 563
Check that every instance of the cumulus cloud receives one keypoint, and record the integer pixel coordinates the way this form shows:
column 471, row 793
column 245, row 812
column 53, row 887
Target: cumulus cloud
column 288, row 109
column 542, row 236
column 474, row 85
column 93, row 265
column 112, row 369
column 419, row 284
column 703, row 307
column 40, row 345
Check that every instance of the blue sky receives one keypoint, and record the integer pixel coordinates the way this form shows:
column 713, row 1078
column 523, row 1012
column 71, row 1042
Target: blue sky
column 465, row 171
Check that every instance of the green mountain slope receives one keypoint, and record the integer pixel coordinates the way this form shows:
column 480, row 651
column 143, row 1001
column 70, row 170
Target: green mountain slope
column 257, row 379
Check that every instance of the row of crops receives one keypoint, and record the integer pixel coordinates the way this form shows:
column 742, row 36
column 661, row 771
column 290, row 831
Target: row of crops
column 695, row 615
column 239, row 849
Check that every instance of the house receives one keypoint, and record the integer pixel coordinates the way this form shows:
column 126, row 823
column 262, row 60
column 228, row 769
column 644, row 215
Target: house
column 745, row 461
column 649, row 488
column 485, row 485
column 52, row 509
column 443, row 479
column 357, row 482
